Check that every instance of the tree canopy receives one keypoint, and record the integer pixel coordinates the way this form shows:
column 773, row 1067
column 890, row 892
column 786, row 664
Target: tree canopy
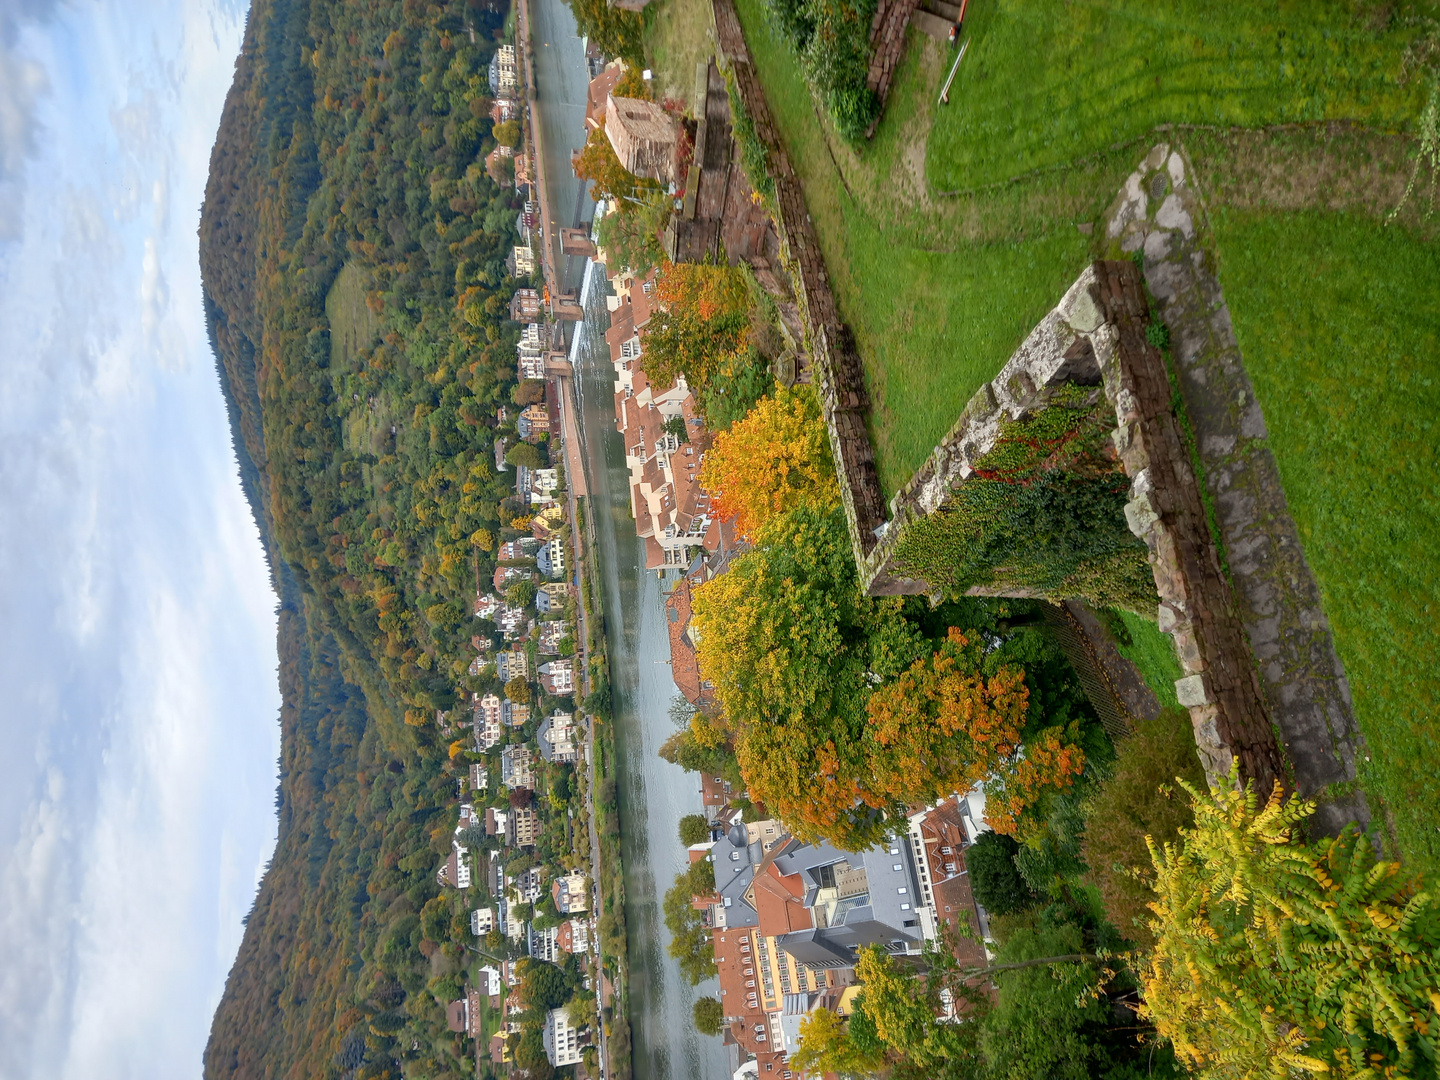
column 773, row 460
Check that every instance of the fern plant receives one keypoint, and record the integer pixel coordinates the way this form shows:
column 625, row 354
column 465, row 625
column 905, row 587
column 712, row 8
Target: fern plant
column 1279, row 958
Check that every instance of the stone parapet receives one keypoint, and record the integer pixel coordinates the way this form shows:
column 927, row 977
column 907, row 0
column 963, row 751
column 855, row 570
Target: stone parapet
column 1158, row 216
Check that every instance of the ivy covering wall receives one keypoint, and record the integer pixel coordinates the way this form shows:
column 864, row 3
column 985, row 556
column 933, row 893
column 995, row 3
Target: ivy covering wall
column 1043, row 514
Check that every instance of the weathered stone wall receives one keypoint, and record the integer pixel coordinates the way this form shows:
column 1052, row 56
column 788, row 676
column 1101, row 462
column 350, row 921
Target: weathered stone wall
column 887, row 45
column 1099, row 330
column 837, row 370
column 1072, row 343
column 1158, row 213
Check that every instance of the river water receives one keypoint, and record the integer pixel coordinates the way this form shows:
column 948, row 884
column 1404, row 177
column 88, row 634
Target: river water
column 654, row 794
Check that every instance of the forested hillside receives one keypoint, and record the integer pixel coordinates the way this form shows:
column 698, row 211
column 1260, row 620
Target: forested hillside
column 364, row 415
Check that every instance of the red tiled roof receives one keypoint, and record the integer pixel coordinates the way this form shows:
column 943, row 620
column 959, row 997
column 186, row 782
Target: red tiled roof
column 779, row 902
column 737, row 968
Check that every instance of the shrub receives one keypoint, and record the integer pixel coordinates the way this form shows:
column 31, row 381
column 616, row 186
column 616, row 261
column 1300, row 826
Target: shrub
column 831, row 38
column 1137, row 801
column 1274, row 956
column 1044, row 511
column 994, row 878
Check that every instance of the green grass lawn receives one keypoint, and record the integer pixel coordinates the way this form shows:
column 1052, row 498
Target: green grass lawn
column 1046, row 83
column 1338, row 319
column 939, row 290
column 1153, row 655
column 678, row 35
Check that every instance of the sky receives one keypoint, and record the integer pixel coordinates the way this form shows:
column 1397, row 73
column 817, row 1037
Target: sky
column 139, row 711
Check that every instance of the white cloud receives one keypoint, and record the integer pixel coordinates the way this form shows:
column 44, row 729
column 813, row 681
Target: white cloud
column 136, row 619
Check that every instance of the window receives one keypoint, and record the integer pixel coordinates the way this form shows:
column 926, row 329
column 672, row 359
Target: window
column 901, row 890
column 945, row 851
column 905, row 907
column 898, row 866
column 894, row 851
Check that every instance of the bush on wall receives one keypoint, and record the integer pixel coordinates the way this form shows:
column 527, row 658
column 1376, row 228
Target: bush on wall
column 1042, row 515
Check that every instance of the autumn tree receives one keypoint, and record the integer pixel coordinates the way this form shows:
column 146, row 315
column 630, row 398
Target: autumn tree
column 773, row 460
column 702, row 317
column 945, row 725
column 794, row 650
column 608, row 178
column 518, row 690
column 528, row 392
column 1273, row 953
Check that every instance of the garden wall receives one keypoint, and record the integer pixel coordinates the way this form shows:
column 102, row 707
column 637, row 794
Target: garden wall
column 1158, row 216
column 837, row 370
column 1098, row 333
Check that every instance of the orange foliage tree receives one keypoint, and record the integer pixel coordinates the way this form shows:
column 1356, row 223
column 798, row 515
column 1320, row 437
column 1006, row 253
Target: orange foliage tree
column 773, row 460
column 945, row 725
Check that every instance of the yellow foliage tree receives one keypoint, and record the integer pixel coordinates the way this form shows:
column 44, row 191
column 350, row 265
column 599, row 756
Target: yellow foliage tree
column 1278, row 958
column 772, row 461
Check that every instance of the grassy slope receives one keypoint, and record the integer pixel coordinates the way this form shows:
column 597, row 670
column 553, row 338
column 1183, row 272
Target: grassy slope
column 1153, row 654
column 939, row 289
column 1046, row 83
column 678, row 35
column 1339, row 322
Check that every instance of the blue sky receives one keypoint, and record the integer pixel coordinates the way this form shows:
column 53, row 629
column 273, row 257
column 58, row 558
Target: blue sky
column 138, row 721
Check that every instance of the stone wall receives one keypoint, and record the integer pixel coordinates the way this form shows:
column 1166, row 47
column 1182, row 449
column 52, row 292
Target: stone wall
column 837, row 370
column 1158, row 214
column 1099, row 330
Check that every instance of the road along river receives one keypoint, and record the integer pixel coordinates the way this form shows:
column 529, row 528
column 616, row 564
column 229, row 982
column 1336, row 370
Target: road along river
column 654, row 794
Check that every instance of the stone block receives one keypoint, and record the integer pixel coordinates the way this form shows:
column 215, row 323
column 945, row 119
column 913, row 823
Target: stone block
column 1193, row 691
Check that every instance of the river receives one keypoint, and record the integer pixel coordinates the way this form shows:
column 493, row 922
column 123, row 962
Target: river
column 654, row 794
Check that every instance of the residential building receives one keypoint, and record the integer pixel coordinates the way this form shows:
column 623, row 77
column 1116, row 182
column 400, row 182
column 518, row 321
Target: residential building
column 479, row 777
column 556, row 738
column 487, row 981
column 454, row 872
column 551, row 558
column 514, row 713
column 552, row 633
column 671, row 511
column 497, row 823
column 515, row 767
column 514, row 550
column 525, row 887
column 543, row 944
column 534, row 420
column 745, row 1021
column 570, row 893
column 574, row 936
column 525, row 305
column 544, row 483
column 525, row 827
column 512, row 664
column 504, row 72
column 938, row 840
column 523, row 259
column 487, row 722
column 561, row 1040
column 558, row 677
column 552, row 596
column 457, row 1015
column 482, row 921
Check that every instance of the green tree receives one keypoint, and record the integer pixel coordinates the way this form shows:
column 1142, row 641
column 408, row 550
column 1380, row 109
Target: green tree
column 525, row 455
column 1139, row 800
column 994, row 878
column 709, row 1015
column 629, row 233
column 507, row 133
column 690, row 942
column 520, row 593
column 694, row 829
column 529, row 1055
column 544, row 985
column 1273, row 953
